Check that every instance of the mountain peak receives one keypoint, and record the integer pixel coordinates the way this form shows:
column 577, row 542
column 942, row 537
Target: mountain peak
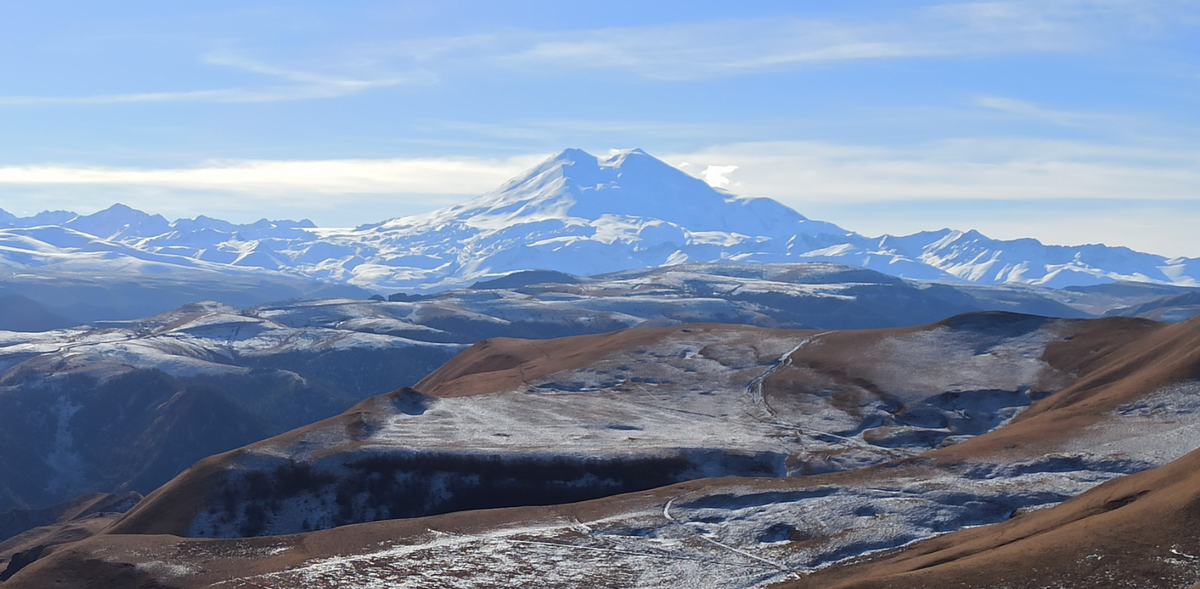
column 626, row 183
column 572, row 154
column 621, row 193
column 123, row 208
column 117, row 220
column 614, row 159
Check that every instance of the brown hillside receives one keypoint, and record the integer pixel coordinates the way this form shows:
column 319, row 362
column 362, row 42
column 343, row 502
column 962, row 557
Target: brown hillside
column 1117, row 363
column 1135, row 531
column 500, row 364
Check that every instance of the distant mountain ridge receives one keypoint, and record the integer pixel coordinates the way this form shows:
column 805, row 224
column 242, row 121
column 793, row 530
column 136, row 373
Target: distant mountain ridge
column 574, row 213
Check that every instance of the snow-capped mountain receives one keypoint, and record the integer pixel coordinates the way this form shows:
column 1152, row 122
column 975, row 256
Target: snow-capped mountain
column 573, row 213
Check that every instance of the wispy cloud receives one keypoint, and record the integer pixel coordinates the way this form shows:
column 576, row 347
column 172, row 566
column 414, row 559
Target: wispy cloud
column 267, row 178
column 296, row 85
column 688, row 50
column 992, row 169
column 708, row 50
column 193, row 96
column 716, row 49
column 564, row 131
column 335, row 85
column 731, row 47
column 332, row 192
column 792, row 171
column 1029, row 110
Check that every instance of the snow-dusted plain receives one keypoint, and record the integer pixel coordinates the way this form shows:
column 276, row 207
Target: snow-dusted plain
column 574, row 213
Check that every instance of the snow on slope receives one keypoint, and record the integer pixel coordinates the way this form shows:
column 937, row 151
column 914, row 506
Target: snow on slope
column 688, row 402
column 129, row 404
column 574, row 213
column 204, row 338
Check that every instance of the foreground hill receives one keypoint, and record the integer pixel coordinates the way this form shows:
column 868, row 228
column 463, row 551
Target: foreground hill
column 873, row 414
column 574, row 213
column 515, row 422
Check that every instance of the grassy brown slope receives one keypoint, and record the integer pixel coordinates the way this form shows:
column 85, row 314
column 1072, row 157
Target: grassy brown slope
column 1120, row 530
column 54, row 534
column 171, row 508
column 501, row 364
column 1139, row 357
column 1118, row 534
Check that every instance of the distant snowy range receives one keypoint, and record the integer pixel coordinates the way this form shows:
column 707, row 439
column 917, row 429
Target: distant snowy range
column 574, row 213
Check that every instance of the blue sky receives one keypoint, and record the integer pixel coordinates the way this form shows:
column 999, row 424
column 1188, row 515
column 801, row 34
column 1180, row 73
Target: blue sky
column 1068, row 121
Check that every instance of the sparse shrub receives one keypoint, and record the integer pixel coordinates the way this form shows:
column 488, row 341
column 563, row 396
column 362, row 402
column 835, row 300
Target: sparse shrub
column 294, row 478
column 256, row 519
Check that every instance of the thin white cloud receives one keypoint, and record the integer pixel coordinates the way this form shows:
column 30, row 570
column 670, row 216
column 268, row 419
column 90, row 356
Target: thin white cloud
column 795, row 172
column 709, row 50
column 225, row 95
column 330, row 192
column 334, row 84
column 689, row 51
column 994, row 169
column 563, row 131
column 194, row 96
column 1028, row 110
column 269, row 179
column 299, row 85
column 732, row 47
column 716, row 49
column 1131, row 125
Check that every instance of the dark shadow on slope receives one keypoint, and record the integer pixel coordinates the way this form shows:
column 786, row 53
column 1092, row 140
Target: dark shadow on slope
column 416, row 484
